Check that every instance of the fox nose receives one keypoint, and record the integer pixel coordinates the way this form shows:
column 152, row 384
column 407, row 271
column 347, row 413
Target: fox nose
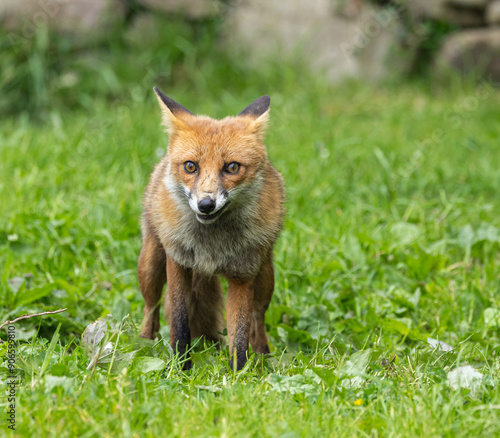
column 206, row 205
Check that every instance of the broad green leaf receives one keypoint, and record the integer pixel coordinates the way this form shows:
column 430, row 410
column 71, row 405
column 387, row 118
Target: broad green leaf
column 353, row 251
column 491, row 317
column 356, row 364
column 50, row 350
column 147, row 364
column 51, row 382
column 290, row 334
column 327, row 375
column 297, row 384
column 26, row 296
column 403, row 234
column 465, row 236
column 396, row 326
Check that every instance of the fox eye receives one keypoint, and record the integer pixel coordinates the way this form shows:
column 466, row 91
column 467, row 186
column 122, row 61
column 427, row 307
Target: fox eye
column 233, row 168
column 190, row 167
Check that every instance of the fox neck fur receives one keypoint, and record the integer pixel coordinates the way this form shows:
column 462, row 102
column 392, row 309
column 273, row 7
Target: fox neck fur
column 236, row 244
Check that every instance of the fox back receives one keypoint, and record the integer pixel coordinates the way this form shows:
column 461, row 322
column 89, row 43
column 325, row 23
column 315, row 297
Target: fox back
column 214, row 206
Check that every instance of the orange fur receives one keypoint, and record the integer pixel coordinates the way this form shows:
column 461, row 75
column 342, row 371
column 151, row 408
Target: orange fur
column 234, row 239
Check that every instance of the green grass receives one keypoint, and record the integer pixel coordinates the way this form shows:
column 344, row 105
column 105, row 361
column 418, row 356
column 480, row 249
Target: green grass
column 392, row 236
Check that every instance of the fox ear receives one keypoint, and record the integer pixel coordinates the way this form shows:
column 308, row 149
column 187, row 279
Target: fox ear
column 174, row 114
column 257, row 107
column 259, row 111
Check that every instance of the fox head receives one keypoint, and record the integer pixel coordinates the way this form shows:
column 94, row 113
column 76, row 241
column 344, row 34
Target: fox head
column 214, row 165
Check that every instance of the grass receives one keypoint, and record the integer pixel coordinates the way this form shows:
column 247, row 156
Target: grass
column 392, row 237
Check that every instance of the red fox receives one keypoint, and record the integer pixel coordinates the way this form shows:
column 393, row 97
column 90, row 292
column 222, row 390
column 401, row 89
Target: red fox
column 214, row 206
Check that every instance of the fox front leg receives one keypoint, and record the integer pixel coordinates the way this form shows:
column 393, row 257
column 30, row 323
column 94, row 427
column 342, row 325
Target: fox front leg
column 263, row 291
column 152, row 277
column 179, row 283
column 239, row 319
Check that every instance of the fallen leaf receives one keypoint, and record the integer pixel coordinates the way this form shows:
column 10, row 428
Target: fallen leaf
column 465, row 377
column 439, row 345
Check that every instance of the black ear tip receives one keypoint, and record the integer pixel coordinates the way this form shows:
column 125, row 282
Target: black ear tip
column 170, row 103
column 263, row 101
column 158, row 92
column 257, row 107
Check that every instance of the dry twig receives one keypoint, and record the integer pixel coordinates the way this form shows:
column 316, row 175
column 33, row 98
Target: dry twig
column 32, row 315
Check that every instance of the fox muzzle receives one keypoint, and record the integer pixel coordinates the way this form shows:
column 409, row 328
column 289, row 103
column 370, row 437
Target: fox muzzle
column 206, row 205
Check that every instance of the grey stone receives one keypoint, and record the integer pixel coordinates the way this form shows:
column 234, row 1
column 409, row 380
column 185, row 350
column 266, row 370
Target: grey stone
column 85, row 19
column 472, row 52
column 493, row 13
column 195, row 9
column 442, row 10
column 353, row 42
column 472, row 4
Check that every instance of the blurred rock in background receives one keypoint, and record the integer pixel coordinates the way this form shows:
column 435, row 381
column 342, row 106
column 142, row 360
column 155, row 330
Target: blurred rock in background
column 84, row 20
column 193, row 9
column 473, row 48
column 472, row 51
column 464, row 13
column 344, row 38
column 493, row 13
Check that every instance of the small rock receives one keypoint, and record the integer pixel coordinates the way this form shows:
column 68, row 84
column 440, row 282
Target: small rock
column 469, row 4
column 493, row 13
column 85, row 20
column 472, row 52
column 194, row 9
column 442, row 10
